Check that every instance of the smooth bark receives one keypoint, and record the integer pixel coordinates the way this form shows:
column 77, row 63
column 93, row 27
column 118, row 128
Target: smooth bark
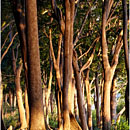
column 79, row 93
column 17, row 72
column 66, row 79
column 34, row 72
column 97, row 99
column 88, row 92
column 109, row 70
column 126, row 52
column 113, row 100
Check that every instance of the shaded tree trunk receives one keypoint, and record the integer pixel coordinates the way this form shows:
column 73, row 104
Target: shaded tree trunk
column 26, row 106
column 126, row 52
column 75, row 106
column 79, row 93
column 113, row 100
column 10, row 97
column 34, row 72
column 20, row 20
column 97, row 100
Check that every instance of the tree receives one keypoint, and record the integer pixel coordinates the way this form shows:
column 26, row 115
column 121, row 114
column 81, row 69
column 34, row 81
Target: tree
column 126, row 52
column 34, row 73
column 109, row 70
column 17, row 72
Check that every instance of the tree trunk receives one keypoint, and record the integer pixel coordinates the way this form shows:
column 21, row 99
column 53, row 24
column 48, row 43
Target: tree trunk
column 19, row 98
column 109, row 70
column 26, row 106
column 126, row 52
column 67, row 70
column 34, row 72
column 19, row 11
column 113, row 101
column 2, row 126
column 71, row 88
column 51, row 103
column 76, row 106
column 79, row 92
column 101, row 112
column 106, row 100
column 88, row 91
column 119, row 114
column 10, row 97
column 97, row 100
column 15, row 100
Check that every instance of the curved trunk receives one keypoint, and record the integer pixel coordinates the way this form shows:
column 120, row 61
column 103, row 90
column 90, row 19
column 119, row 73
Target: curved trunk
column 17, row 72
column 19, row 98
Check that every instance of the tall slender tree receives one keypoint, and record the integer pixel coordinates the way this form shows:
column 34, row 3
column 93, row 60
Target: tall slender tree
column 126, row 52
column 34, row 72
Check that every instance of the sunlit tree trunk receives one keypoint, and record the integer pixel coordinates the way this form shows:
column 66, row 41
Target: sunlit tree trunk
column 17, row 72
column 58, row 78
column 109, row 70
column 71, row 88
column 49, row 90
column 88, row 91
column 2, row 126
column 119, row 114
column 34, row 72
column 97, row 100
column 66, row 75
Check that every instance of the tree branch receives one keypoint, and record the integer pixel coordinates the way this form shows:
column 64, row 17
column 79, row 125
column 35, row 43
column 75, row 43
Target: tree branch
column 89, row 62
column 9, row 46
column 58, row 16
column 52, row 51
column 117, row 50
column 59, row 49
column 83, row 24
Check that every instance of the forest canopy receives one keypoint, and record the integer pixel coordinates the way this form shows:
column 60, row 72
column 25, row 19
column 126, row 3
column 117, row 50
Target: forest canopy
column 64, row 65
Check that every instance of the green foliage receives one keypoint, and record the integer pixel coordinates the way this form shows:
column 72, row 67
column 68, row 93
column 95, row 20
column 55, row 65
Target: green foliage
column 122, row 125
column 53, row 122
column 53, row 119
column 11, row 116
column 94, row 120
